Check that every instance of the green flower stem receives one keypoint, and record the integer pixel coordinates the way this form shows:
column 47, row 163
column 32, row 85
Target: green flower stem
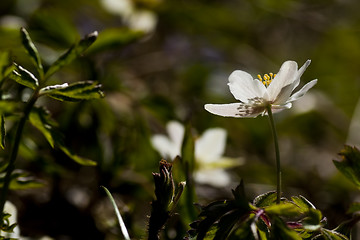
column 13, row 155
column 277, row 154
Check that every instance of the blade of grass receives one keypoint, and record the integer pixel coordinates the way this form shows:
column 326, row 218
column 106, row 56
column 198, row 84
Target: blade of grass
column 121, row 222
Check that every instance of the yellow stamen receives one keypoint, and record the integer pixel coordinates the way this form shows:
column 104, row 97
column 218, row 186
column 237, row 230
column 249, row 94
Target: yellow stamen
column 266, row 79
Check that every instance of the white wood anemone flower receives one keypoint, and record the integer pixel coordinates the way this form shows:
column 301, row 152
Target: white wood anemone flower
column 209, row 148
column 256, row 95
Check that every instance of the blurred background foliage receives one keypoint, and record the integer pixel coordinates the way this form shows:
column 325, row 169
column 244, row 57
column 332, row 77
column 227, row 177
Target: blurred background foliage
column 162, row 60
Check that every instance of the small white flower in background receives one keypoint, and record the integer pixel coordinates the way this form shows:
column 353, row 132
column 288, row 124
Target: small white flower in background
column 142, row 20
column 11, row 209
column 256, row 94
column 209, row 148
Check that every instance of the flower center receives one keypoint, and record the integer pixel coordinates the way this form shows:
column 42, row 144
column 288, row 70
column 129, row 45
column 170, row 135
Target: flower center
column 266, row 79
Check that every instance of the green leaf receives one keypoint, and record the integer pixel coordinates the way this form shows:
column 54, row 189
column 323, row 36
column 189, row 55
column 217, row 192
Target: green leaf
column 302, row 203
column 40, row 118
column 345, row 227
column 76, row 158
column 281, row 231
column 188, row 164
column 2, row 132
column 354, row 207
column 74, row 92
column 266, row 199
column 332, row 235
column 283, row 209
column 312, row 221
column 31, row 50
column 72, row 53
column 21, row 180
column 24, row 77
column 8, row 107
column 349, row 166
column 5, row 66
column 226, row 224
column 114, row 38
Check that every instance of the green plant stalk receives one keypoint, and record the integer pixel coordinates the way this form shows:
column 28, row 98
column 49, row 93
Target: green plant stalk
column 277, row 154
column 13, row 155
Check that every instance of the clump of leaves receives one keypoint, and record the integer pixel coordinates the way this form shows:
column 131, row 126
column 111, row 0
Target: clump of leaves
column 295, row 218
column 38, row 116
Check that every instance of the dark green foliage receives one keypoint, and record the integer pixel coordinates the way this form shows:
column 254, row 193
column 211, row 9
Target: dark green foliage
column 264, row 219
column 350, row 164
column 72, row 53
column 2, row 132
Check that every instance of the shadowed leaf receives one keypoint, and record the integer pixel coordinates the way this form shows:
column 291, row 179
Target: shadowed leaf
column 2, row 132
column 31, row 50
column 349, row 165
column 72, row 53
column 40, row 119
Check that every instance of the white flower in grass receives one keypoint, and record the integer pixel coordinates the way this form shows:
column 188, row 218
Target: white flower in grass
column 255, row 95
column 209, row 148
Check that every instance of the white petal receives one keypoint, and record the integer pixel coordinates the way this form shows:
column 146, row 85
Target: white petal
column 302, row 91
column 244, row 87
column 279, row 108
column 238, row 110
column 165, row 147
column 284, row 77
column 215, row 177
column 211, row 145
column 176, row 132
column 300, row 73
column 283, row 95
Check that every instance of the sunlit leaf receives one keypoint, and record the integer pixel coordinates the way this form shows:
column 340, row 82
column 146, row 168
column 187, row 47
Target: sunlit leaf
column 312, row 221
column 31, row 50
column 24, row 77
column 76, row 158
column 283, row 209
column 332, row 235
column 265, row 199
column 72, row 53
column 2, row 132
column 74, row 92
column 302, row 203
column 22, row 180
column 349, row 165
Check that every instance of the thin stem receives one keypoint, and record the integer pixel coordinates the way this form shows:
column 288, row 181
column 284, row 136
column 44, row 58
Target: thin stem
column 13, row 155
column 277, row 154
